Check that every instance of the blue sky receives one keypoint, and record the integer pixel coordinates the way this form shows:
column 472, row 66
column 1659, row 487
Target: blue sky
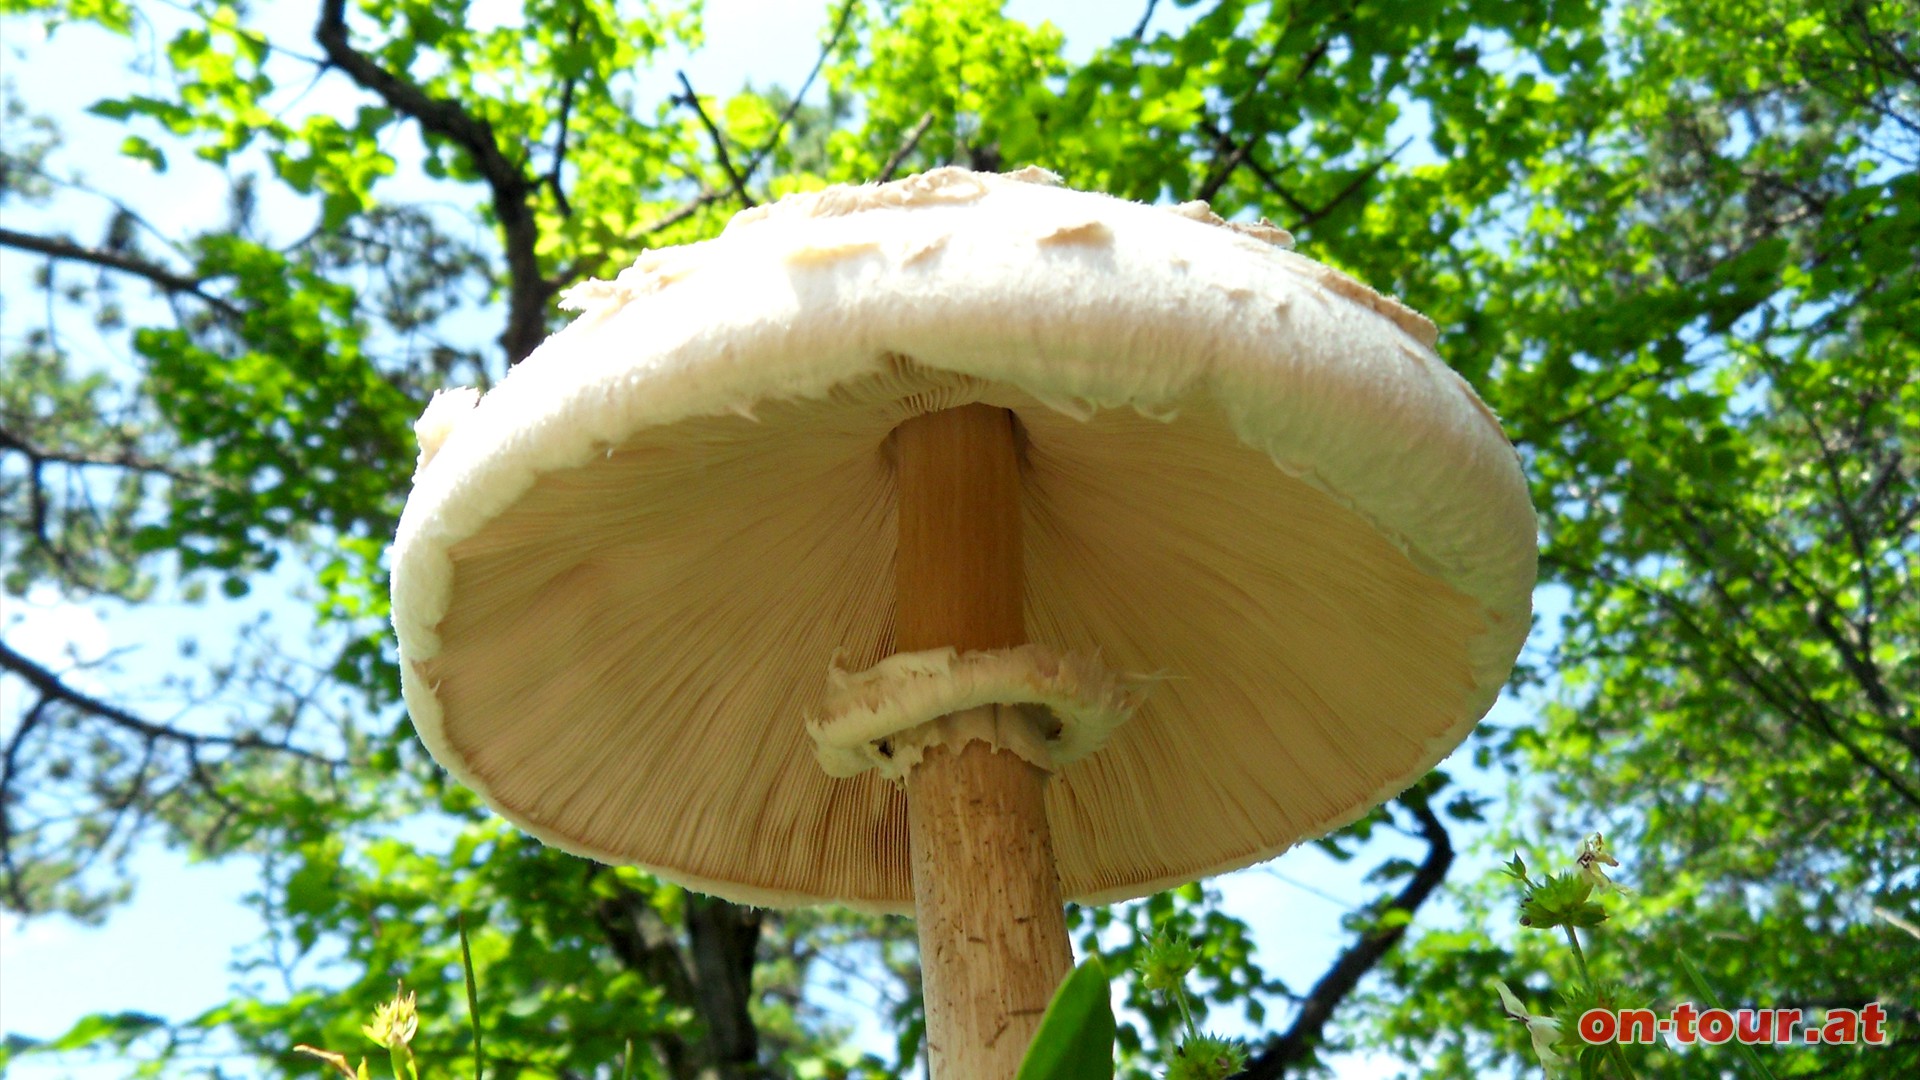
column 168, row 951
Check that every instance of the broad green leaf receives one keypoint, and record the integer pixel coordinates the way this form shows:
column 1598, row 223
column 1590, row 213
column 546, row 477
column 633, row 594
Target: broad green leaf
column 1075, row 1040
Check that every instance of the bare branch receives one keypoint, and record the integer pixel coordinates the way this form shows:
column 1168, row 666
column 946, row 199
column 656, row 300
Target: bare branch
column 906, row 147
column 692, row 100
column 708, row 196
column 1240, row 154
column 1793, row 702
column 793, row 106
column 552, row 179
column 9, row 762
column 207, row 19
column 1893, row 919
column 166, row 280
column 126, row 803
column 1842, row 505
column 1224, row 141
column 1307, row 1031
column 1662, row 373
column 1140, row 28
column 737, row 178
column 512, row 190
column 1359, row 180
column 228, row 811
column 124, row 459
column 51, row 687
column 1222, row 171
column 1237, row 154
column 1818, row 602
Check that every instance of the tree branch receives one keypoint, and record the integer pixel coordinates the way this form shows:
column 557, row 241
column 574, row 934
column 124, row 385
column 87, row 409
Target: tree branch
column 512, row 190
column 52, row 688
column 1752, row 672
column 1241, row 154
column 1359, row 180
column 1298, row 1043
column 552, row 178
column 1140, row 28
column 1844, row 508
column 708, row 196
column 124, row 459
column 166, row 280
column 734, row 179
column 117, row 800
column 906, row 147
column 793, row 105
column 1237, row 154
column 1224, row 141
column 1893, row 919
column 9, row 764
column 1812, row 597
column 1663, row 373
column 1816, row 600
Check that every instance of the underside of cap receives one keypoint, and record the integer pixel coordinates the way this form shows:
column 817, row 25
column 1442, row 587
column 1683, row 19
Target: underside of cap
column 622, row 575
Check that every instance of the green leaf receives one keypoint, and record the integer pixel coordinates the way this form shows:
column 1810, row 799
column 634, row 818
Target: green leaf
column 1075, row 1040
column 117, row 1028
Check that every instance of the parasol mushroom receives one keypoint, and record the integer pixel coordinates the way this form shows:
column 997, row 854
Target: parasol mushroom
column 956, row 545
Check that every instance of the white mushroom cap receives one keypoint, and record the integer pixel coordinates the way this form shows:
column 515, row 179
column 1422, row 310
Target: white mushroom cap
column 621, row 581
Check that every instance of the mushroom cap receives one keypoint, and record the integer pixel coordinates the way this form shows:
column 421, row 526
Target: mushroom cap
column 623, row 573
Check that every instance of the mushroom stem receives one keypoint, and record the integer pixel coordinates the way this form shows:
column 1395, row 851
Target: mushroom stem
column 993, row 935
column 993, row 938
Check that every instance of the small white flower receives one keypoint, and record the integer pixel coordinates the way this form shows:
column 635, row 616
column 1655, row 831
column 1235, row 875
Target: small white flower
column 1593, row 856
column 1544, row 1030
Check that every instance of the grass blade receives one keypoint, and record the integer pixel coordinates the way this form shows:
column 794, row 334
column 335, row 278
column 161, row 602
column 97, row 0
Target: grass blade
column 473, row 994
column 1701, row 987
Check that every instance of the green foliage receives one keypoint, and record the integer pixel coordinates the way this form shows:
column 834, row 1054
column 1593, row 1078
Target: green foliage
column 115, row 1029
column 1715, row 404
column 961, row 66
column 1168, row 938
column 1076, row 1039
column 1164, row 966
